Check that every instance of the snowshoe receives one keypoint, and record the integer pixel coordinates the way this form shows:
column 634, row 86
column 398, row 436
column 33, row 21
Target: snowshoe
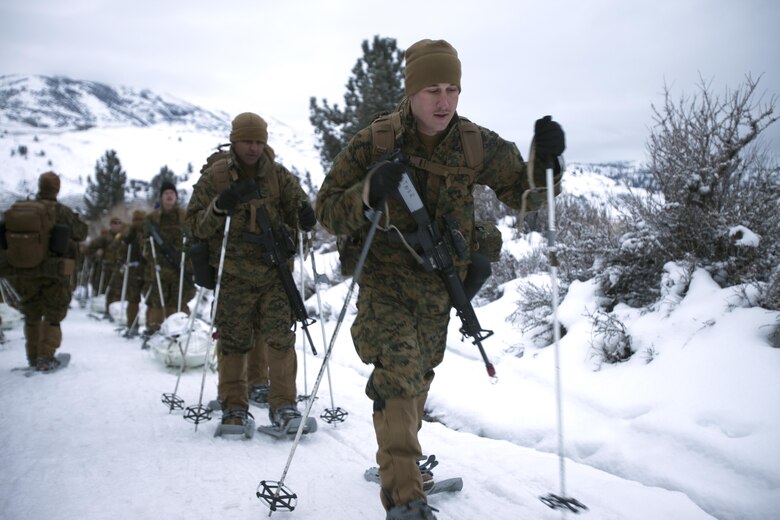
column 285, row 422
column 48, row 365
column 414, row 510
column 430, row 486
column 236, row 421
column 258, row 395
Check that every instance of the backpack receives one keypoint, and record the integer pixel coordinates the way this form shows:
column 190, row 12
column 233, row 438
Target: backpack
column 28, row 233
column 385, row 131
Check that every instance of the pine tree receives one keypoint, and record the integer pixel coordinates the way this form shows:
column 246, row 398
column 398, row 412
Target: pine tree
column 108, row 189
column 376, row 86
column 165, row 174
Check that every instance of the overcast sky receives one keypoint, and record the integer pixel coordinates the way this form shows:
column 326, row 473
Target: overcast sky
column 596, row 66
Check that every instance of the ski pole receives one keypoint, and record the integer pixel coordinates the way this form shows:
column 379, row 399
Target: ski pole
column 552, row 500
column 181, row 271
column 157, row 276
column 200, row 413
column 124, row 280
column 303, row 337
column 270, row 491
column 172, row 400
column 333, row 414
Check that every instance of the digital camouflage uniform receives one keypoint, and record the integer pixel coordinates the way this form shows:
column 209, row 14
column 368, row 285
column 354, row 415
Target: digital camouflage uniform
column 114, row 257
column 45, row 291
column 171, row 227
column 252, row 300
column 403, row 311
column 135, row 275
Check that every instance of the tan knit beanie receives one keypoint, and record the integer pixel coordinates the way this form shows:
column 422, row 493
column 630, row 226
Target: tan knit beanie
column 249, row 127
column 48, row 185
column 429, row 62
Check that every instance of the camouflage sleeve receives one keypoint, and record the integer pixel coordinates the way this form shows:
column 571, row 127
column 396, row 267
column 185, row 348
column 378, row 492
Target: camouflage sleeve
column 201, row 219
column 506, row 173
column 340, row 207
column 291, row 196
column 78, row 229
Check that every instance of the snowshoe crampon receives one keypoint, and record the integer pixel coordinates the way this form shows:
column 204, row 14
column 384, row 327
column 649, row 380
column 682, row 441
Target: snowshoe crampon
column 276, row 497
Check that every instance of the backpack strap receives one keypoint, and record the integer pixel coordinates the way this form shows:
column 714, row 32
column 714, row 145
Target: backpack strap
column 386, row 130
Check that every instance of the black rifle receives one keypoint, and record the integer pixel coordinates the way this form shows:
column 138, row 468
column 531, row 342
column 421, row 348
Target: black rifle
column 167, row 251
column 277, row 248
column 434, row 256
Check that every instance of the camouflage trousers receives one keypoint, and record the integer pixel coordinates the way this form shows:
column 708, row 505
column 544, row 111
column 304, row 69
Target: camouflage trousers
column 44, row 298
column 244, row 307
column 253, row 316
column 401, row 328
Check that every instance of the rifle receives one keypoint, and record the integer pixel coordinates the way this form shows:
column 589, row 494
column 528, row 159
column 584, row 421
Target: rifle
column 436, row 257
column 166, row 250
column 277, row 249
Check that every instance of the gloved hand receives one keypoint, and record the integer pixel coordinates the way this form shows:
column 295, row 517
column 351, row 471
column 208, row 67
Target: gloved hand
column 385, row 177
column 238, row 192
column 549, row 140
column 306, row 218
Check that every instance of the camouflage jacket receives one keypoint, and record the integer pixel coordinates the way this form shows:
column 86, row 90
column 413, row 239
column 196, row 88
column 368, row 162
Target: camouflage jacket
column 281, row 194
column 171, row 227
column 340, row 207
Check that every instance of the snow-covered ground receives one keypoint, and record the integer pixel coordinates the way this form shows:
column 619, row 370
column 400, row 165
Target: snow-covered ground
column 691, row 434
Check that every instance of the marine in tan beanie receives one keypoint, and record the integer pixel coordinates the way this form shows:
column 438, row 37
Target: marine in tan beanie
column 429, row 62
column 432, row 85
column 249, row 127
column 48, row 185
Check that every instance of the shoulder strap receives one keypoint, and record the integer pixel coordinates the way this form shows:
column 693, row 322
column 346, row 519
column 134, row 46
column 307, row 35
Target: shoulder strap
column 387, row 129
column 471, row 138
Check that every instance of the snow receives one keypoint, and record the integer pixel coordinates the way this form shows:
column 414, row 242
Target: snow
column 686, row 429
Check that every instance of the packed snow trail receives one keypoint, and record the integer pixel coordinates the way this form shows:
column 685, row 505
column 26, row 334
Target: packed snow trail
column 94, row 441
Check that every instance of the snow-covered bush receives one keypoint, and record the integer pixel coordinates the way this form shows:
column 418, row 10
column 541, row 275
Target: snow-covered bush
column 718, row 198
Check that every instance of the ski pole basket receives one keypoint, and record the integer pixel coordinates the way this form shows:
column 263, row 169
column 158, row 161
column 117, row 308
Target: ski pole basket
column 173, row 402
column 572, row 505
column 334, row 415
column 276, row 496
column 197, row 414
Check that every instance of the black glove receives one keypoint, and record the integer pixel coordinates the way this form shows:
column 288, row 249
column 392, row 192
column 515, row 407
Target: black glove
column 306, row 218
column 131, row 236
column 385, row 177
column 238, row 192
column 548, row 140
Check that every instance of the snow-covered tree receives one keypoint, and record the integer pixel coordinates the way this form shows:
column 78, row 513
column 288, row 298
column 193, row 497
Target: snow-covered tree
column 376, row 86
column 108, row 189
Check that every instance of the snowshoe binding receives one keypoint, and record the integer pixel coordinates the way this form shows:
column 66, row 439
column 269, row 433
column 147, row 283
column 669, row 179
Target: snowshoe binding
column 285, row 422
column 236, row 421
column 258, row 395
column 52, row 364
column 414, row 510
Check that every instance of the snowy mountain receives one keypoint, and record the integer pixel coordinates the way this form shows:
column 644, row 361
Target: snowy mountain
column 65, row 125
column 58, row 103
